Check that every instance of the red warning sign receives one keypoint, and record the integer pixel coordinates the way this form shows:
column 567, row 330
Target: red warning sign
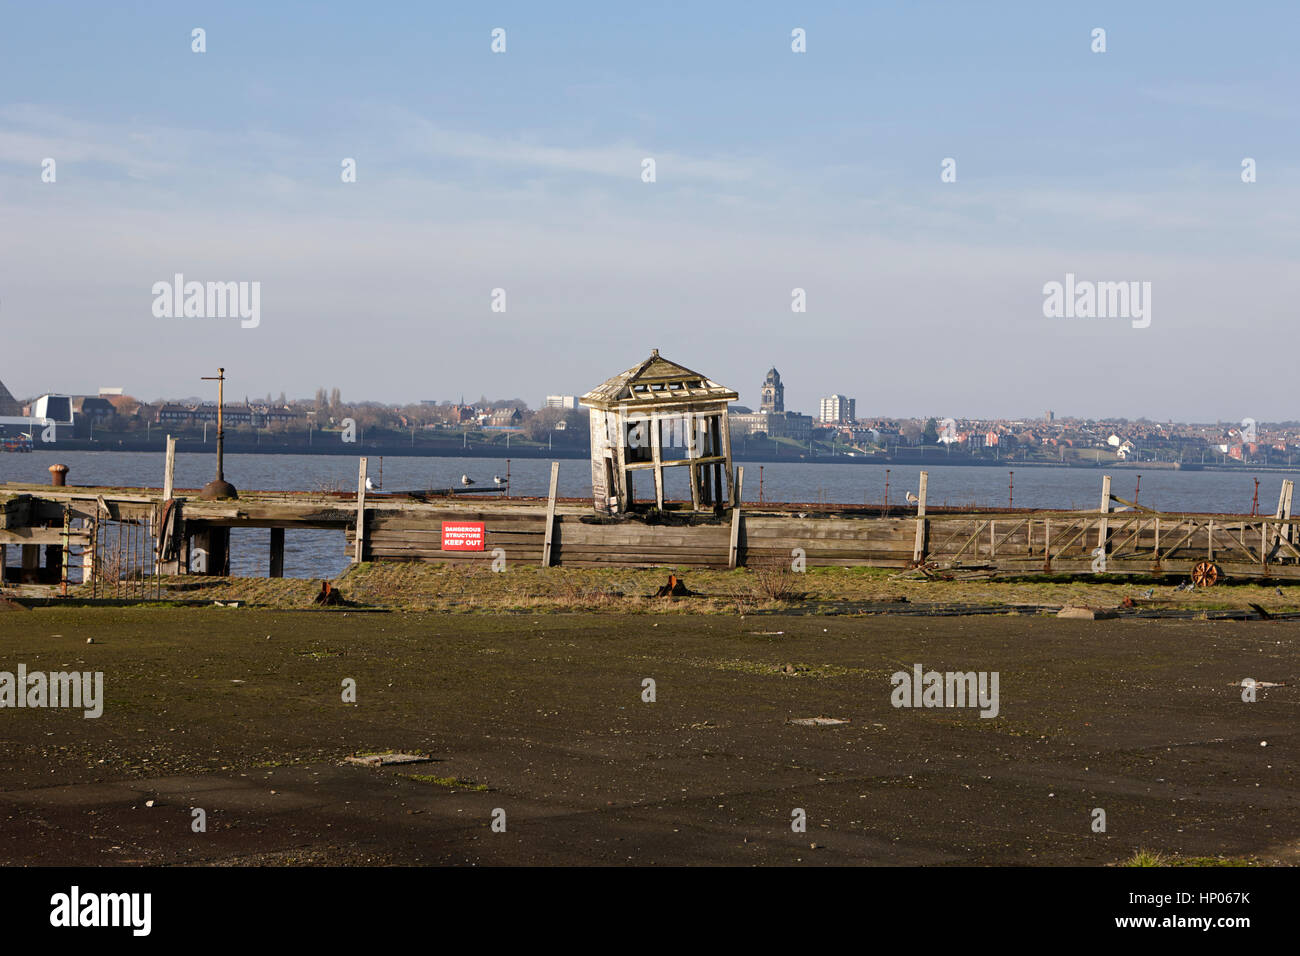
column 462, row 536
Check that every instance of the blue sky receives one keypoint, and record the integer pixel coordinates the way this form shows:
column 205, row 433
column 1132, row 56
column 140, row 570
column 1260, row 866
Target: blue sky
column 775, row 170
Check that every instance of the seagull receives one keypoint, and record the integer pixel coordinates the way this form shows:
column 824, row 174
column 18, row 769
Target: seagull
column 370, row 484
column 912, row 499
column 466, row 480
column 499, row 480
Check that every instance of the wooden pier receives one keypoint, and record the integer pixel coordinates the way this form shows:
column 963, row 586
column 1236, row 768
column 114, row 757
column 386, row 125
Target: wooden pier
column 103, row 536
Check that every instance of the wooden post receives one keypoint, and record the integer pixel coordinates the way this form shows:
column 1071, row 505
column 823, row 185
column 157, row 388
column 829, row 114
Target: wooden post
column 692, row 433
column 1286, row 511
column 169, row 469
column 656, row 449
column 31, row 563
column 724, row 425
column 65, row 554
column 620, row 451
column 1283, row 512
column 735, row 523
column 550, row 514
column 359, row 542
column 277, row 553
column 918, row 547
column 1103, row 529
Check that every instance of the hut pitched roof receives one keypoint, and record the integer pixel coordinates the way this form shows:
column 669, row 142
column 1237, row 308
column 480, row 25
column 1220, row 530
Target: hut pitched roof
column 657, row 381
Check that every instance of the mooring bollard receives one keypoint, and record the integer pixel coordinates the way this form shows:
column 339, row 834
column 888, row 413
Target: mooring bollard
column 58, row 475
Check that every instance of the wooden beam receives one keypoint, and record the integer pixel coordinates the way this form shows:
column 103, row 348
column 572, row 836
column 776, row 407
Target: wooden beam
column 735, row 518
column 735, row 537
column 169, row 469
column 1103, row 529
column 918, row 546
column 550, row 514
column 41, row 536
column 359, row 540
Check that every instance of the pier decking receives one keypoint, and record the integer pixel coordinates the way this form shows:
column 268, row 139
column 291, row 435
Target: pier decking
column 108, row 535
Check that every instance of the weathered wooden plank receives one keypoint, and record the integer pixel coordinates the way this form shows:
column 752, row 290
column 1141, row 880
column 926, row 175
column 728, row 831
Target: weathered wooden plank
column 550, row 514
column 359, row 550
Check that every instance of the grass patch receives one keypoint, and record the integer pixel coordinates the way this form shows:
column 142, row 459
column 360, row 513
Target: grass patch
column 455, row 783
column 1155, row 858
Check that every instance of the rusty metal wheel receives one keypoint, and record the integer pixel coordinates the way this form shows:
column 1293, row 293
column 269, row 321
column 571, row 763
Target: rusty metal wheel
column 1205, row 574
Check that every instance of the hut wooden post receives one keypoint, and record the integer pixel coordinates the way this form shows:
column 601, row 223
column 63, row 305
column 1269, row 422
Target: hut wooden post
column 550, row 514
column 1103, row 528
column 359, row 542
column 718, row 468
column 692, row 452
column 732, row 497
column 656, row 448
column 620, row 472
column 918, row 547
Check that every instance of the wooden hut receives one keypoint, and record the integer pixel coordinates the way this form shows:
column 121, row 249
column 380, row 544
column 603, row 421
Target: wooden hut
column 659, row 415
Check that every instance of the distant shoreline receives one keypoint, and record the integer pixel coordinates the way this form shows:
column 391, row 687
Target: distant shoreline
column 569, row 454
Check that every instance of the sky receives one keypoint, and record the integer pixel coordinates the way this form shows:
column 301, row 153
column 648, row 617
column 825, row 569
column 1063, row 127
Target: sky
column 775, row 170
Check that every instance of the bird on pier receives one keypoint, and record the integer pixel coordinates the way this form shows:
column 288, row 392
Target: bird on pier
column 498, row 480
column 912, row 499
column 466, row 480
column 370, row 484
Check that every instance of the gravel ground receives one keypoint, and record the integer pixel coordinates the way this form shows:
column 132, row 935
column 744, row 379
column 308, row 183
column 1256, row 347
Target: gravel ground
column 239, row 712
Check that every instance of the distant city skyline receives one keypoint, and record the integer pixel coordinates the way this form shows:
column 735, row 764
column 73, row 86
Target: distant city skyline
column 515, row 180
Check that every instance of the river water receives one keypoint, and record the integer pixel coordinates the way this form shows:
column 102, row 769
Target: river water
column 321, row 553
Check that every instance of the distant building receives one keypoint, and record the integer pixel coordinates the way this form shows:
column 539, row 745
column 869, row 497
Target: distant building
column 231, row 415
column 773, row 392
column 838, row 410
column 503, row 418
column 53, row 408
column 561, row 401
column 772, row 419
